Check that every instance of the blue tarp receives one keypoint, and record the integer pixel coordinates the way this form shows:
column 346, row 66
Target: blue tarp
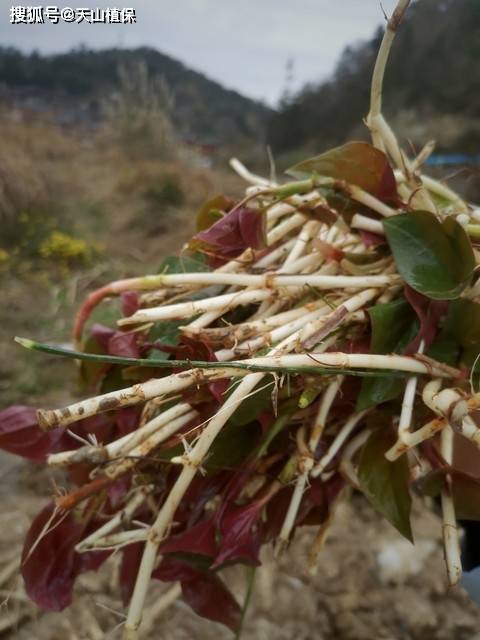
column 452, row 159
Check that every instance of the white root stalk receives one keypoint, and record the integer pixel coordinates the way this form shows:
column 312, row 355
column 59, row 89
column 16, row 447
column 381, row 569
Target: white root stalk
column 125, row 463
column 277, row 334
column 219, row 304
column 120, row 446
column 191, row 462
column 161, row 604
column 310, row 230
column 119, row 540
column 121, row 517
column 406, row 413
column 354, row 361
column 323, row 411
column 346, row 464
column 154, row 388
column 306, row 463
column 450, row 530
column 306, row 457
column 248, row 176
column 272, row 280
column 337, row 443
column 367, row 224
column 50, row 419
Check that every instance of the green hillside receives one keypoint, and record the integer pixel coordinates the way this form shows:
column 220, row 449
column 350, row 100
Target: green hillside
column 432, row 85
column 78, row 81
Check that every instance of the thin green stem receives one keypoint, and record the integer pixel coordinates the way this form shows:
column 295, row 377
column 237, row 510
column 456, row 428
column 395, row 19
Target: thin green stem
column 199, row 364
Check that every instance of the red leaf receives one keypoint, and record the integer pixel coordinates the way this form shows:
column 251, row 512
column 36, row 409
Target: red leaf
column 131, row 557
column 203, row 591
column 130, row 301
column 102, row 335
column 171, row 570
column 371, row 239
column 127, row 420
column 218, row 389
column 118, row 490
column 124, row 344
column 50, row 564
column 116, row 343
column 209, row 598
column 192, row 349
column 232, row 234
column 51, row 569
column 357, row 163
column 328, row 251
column 429, row 312
column 199, row 539
column 20, row 434
column 101, row 425
column 241, row 540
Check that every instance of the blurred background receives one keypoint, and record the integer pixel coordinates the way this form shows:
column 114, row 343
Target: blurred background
column 112, row 136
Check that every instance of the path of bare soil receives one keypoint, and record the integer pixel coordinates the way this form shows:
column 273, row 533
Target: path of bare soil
column 370, row 585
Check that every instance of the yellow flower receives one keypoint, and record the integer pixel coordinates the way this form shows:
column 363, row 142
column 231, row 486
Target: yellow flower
column 62, row 246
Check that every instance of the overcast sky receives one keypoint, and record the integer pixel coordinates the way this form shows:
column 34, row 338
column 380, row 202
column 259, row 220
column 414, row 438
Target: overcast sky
column 244, row 44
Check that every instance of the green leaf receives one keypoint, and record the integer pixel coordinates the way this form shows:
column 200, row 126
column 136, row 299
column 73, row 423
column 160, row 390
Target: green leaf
column 193, row 262
column 463, row 322
column 460, row 331
column 394, row 325
column 385, row 483
column 357, row 163
column 466, row 496
column 434, row 258
column 232, row 446
column 465, row 491
column 286, row 412
column 167, row 333
column 251, row 407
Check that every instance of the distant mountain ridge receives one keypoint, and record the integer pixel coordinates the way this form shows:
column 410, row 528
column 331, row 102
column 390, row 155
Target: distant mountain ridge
column 432, row 85
column 80, row 79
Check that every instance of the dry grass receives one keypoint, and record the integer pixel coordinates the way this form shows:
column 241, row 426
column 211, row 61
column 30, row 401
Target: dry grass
column 76, row 210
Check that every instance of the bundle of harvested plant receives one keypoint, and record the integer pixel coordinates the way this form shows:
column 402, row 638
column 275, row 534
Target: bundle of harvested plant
column 317, row 335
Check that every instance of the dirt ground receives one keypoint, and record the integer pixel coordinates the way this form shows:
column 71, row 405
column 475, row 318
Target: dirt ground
column 370, row 584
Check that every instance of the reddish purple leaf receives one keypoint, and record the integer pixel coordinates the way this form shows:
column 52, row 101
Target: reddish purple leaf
column 130, row 301
column 124, row 344
column 101, row 335
column 240, row 537
column 429, row 312
column 370, row 239
column 191, row 349
column 50, row 570
column 101, row 425
column 232, row 234
column 199, row 539
column 209, row 598
column 118, row 490
column 275, row 514
column 116, row 343
column 127, row 420
column 218, row 389
column 131, row 557
column 171, row 570
column 20, row 434
column 358, row 163
column 203, row 591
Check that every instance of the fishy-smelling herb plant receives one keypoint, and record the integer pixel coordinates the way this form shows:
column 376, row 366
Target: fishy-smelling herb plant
column 317, row 335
